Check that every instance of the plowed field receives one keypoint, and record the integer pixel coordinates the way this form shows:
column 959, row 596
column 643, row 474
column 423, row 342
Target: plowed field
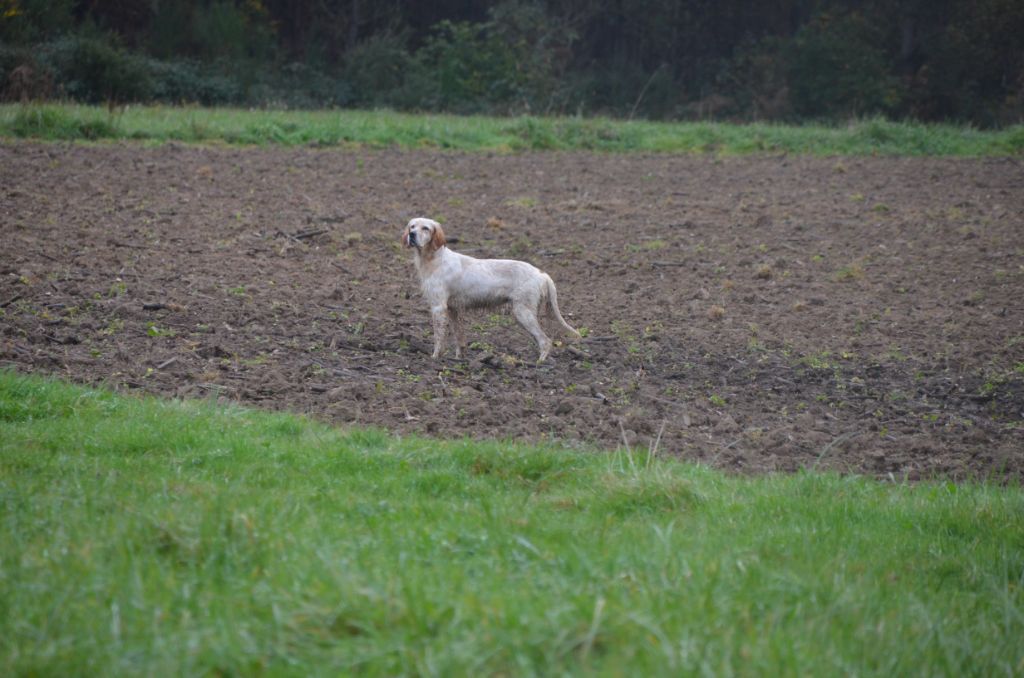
column 759, row 314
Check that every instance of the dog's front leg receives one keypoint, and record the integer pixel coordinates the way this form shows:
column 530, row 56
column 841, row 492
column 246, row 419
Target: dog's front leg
column 458, row 323
column 439, row 316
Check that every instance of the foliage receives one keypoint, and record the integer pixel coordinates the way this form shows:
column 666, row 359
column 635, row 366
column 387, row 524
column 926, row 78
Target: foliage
column 382, row 72
column 28, row 21
column 189, row 82
column 469, row 67
column 837, row 67
column 91, row 69
column 666, row 59
column 166, row 537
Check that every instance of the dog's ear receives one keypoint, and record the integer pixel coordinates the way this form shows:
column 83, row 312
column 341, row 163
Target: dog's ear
column 405, row 237
column 437, row 240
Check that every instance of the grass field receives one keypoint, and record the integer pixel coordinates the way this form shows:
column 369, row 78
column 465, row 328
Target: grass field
column 385, row 128
column 152, row 537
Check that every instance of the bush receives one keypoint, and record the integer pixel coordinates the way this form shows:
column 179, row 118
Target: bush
column 22, row 77
column 472, row 71
column 611, row 91
column 301, row 85
column 756, row 80
column 836, row 68
column 92, row 70
column 541, row 49
column 506, row 64
column 186, row 82
column 211, row 31
column 382, row 72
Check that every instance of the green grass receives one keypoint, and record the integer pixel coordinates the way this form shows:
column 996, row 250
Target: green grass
column 150, row 537
column 479, row 133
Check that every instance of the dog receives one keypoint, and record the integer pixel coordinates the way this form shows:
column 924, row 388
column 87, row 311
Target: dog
column 453, row 283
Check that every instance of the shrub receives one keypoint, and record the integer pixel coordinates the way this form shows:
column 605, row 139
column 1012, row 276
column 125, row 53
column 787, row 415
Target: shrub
column 187, row 82
column 509, row 63
column 211, row 31
column 301, row 85
column 625, row 89
column 381, row 71
column 837, row 68
column 92, row 70
column 541, row 46
column 22, row 77
column 756, row 80
column 471, row 70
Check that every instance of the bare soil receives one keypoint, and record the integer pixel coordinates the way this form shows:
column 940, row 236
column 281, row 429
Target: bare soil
column 757, row 314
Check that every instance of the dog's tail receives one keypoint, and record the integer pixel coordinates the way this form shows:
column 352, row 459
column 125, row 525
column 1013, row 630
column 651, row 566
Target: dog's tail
column 552, row 299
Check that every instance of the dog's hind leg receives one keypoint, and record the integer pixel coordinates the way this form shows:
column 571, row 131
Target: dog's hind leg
column 552, row 302
column 527, row 317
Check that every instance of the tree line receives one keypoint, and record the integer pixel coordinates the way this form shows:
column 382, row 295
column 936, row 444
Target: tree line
column 786, row 60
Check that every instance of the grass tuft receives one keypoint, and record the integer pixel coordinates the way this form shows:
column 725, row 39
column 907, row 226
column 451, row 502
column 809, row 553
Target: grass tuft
column 48, row 122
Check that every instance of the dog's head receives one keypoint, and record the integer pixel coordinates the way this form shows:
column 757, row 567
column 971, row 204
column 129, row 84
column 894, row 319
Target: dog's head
column 424, row 235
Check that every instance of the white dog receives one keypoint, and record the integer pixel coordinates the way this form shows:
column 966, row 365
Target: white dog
column 453, row 283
